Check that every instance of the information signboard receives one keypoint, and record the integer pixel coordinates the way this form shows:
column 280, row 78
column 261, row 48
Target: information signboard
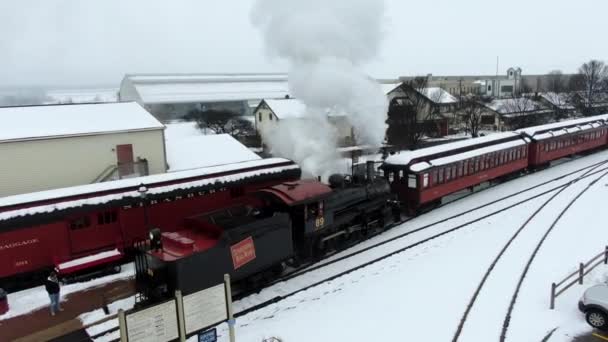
column 157, row 323
column 208, row 336
column 205, row 308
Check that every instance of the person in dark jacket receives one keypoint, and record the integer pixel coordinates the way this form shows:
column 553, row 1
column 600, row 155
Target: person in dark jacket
column 52, row 287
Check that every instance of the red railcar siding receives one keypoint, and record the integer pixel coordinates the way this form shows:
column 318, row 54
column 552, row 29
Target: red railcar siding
column 543, row 155
column 432, row 193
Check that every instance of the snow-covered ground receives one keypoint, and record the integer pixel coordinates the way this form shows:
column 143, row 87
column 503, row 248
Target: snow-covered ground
column 29, row 300
column 421, row 293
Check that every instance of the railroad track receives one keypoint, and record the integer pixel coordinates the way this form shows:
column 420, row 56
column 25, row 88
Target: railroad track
column 316, row 265
column 589, row 173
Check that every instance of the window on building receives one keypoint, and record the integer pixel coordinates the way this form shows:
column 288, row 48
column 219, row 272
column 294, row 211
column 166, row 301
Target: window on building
column 260, row 117
column 80, row 223
column 270, row 116
column 107, row 217
column 506, row 89
column 489, row 87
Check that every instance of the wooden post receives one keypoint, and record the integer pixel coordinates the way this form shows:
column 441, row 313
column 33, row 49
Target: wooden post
column 181, row 323
column 231, row 321
column 581, row 272
column 552, row 305
column 122, row 323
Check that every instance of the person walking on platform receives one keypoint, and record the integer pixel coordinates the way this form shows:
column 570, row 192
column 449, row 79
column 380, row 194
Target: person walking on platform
column 52, row 287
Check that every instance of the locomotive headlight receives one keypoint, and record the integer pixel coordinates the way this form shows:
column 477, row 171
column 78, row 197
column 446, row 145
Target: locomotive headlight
column 155, row 239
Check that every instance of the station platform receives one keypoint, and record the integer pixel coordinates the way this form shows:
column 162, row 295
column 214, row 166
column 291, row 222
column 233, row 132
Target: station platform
column 65, row 326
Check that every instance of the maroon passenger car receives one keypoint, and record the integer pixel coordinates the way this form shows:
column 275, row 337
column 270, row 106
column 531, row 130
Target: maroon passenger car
column 422, row 177
column 562, row 139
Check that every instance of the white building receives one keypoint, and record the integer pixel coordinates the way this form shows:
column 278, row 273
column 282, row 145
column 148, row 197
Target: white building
column 270, row 112
column 171, row 96
column 501, row 87
column 47, row 147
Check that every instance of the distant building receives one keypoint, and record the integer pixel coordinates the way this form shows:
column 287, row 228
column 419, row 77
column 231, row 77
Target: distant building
column 439, row 105
column 48, row 147
column 270, row 112
column 171, row 96
column 515, row 113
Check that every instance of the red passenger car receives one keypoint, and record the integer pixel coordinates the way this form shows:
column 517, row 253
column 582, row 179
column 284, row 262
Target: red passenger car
column 422, row 177
column 562, row 139
column 74, row 228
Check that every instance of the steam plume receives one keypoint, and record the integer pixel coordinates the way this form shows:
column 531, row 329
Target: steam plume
column 325, row 42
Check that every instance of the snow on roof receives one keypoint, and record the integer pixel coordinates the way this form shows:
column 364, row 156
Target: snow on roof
column 560, row 100
column 287, row 108
column 210, row 92
column 508, row 106
column 405, row 157
column 207, row 87
column 531, row 131
column 40, row 122
column 418, row 167
column 211, row 77
column 189, row 148
column 438, row 95
column 156, row 184
column 389, row 87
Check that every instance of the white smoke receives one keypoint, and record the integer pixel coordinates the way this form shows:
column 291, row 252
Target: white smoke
column 325, row 43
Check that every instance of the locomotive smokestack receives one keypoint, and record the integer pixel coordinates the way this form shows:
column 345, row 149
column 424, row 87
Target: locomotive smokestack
column 370, row 170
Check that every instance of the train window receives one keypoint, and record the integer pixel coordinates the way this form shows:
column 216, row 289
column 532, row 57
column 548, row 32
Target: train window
column 454, row 171
column 524, row 151
column 448, row 174
column 476, row 169
column 465, row 167
column 460, row 169
column 107, row 217
column 433, row 177
column 411, row 181
column 391, row 176
column 81, row 222
column 425, row 180
column 440, row 176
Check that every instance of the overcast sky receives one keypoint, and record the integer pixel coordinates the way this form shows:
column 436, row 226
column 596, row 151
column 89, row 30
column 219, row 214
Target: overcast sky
column 95, row 42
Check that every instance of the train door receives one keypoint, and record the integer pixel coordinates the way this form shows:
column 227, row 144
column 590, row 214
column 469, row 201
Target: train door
column 92, row 232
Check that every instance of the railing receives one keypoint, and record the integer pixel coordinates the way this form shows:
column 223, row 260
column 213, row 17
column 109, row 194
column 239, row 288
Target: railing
column 577, row 276
column 124, row 170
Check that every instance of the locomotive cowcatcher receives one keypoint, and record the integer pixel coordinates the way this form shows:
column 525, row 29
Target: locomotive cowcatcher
column 283, row 224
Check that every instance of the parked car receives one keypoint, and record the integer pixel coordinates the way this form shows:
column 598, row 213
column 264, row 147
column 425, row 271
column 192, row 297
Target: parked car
column 594, row 304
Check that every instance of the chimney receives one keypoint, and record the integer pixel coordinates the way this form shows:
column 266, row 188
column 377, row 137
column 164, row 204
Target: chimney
column 369, row 167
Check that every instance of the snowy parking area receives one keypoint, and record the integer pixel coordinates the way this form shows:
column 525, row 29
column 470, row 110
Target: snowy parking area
column 421, row 293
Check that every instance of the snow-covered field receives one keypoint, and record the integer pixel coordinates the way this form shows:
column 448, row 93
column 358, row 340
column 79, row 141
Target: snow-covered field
column 421, row 293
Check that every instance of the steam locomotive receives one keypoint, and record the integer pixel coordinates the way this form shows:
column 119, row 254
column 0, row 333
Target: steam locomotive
column 286, row 223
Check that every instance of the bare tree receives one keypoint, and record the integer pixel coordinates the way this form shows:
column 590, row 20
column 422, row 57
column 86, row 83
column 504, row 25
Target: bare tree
column 221, row 122
column 521, row 112
column 593, row 76
column 471, row 111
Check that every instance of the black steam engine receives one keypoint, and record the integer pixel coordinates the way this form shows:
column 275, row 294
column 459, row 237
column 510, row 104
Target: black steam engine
column 287, row 223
